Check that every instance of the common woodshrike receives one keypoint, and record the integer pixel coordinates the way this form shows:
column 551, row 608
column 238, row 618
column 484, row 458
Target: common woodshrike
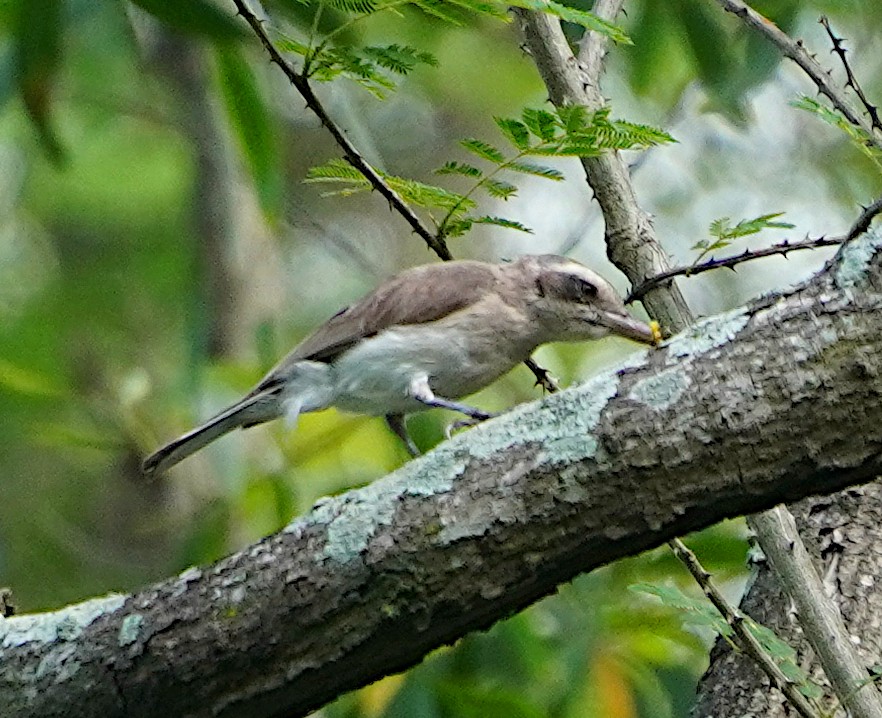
column 426, row 337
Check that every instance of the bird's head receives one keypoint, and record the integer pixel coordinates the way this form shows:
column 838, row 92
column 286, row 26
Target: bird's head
column 572, row 303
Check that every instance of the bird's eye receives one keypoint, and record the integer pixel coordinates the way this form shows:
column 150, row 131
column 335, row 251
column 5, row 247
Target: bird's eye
column 583, row 290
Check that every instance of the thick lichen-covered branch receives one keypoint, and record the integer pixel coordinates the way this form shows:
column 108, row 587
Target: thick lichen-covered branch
column 780, row 396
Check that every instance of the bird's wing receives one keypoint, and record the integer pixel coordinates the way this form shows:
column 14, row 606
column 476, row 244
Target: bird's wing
column 416, row 296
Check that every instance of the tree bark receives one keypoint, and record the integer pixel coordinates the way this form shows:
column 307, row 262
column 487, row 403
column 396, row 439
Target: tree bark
column 771, row 402
column 844, row 532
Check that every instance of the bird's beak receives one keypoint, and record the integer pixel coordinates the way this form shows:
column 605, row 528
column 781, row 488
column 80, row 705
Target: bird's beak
column 626, row 326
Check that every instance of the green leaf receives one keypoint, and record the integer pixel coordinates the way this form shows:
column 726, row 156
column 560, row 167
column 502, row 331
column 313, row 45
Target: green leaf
column 538, row 170
column 399, row 58
column 498, row 188
column 832, row 117
column 336, row 61
column 194, row 17
column 38, row 46
column 541, row 123
column 717, row 228
column 285, row 43
column 785, row 657
column 569, row 148
column 439, row 9
column 585, row 19
column 459, row 168
column 502, row 222
column 484, row 150
column 335, row 170
column 457, row 227
column 411, row 191
column 573, row 118
column 252, row 125
column 25, row 380
column 723, row 230
column 362, row 7
column 516, row 132
column 695, row 610
column 497, row 10
column 426, row 195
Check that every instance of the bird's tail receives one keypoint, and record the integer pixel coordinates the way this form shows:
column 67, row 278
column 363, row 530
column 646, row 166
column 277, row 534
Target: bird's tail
column 256, row 409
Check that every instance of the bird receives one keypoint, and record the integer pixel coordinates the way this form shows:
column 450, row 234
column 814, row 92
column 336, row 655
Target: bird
column 425, row 338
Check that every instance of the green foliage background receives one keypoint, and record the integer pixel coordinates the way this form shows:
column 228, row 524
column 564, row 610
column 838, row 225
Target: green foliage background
column 107, row 344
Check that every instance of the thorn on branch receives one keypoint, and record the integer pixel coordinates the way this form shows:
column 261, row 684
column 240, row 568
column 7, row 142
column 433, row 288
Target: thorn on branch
column 839, row 49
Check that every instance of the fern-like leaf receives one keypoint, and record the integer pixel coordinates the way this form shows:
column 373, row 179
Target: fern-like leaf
column 399, row 58
column 411, row 191
column 541, row 123
column 335, row 170
column 483, row 150
column 497, row 10
column 534, row 169
column 285, row 43
column 500, row 189
column 458, row 227
column 573, row 118
column 569, row 148
column 516, row 132
column 361, row 7
column 502, row 222
column 459, row 168
column 426, row 195
column 440, row 10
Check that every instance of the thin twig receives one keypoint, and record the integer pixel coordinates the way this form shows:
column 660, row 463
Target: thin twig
column 865, row 218
column 738, row 621
column 795, row 50
column 352, row 155
column 747, row 255
column 851, row 80
column 861, row 225
column 543, row 378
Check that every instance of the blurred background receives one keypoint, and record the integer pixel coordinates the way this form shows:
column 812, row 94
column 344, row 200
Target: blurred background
column 159, row 251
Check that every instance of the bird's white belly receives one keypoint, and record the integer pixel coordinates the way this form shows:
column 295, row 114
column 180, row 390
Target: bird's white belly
column 375, row 376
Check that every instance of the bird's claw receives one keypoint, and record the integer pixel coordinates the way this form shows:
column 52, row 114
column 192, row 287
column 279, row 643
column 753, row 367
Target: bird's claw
column 460, row 424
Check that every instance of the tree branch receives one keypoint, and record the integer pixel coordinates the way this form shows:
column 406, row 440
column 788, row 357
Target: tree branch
column 738, row 623
column 819, row 617
column 794, row 50
column 372, row 580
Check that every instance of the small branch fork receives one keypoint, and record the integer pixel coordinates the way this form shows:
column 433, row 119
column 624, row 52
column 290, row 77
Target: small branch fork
column 861, row 225
column 851, row 81
column 738, row 621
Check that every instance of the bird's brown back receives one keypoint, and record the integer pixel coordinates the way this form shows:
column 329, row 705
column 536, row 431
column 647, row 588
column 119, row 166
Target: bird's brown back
column 416, row 296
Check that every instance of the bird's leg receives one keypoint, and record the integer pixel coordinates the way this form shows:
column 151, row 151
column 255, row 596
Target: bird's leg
column 397, row 424
column 422, row 392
